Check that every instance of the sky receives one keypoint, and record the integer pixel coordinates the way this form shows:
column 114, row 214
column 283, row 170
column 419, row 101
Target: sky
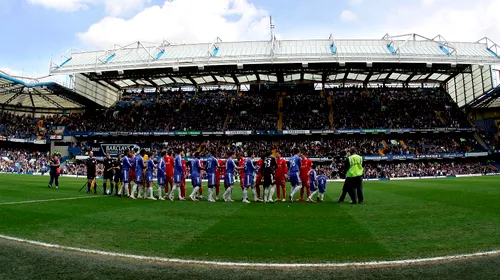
column 36, row 32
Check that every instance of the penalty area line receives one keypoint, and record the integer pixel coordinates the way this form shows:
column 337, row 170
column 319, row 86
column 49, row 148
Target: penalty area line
column 245, row 264
column 47, row 200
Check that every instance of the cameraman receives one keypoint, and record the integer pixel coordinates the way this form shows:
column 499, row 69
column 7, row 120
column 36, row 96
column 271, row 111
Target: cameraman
column 54, row 171
column 91, row 171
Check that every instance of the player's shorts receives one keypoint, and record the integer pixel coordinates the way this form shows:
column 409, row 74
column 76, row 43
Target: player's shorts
column 268, row 180
column 249, row 181
column 90, row 176
column 212, row 179
column 280, row 182
column 313, row 186
column 259, row 179
column 125, row 176
column 305, row 181
column 322, row 189
column 295, row 179
column 138, row 178
column 178, row 178
column 196, row 181
column 161, row 181
column 229, row 179
column 149, row 178
column 169, row 179
column 108, row 175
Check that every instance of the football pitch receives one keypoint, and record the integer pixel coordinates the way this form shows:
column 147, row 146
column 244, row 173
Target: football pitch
column 400, row 220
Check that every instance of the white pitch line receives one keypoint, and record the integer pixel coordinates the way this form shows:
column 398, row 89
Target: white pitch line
column 246, row 264
column 47, row 200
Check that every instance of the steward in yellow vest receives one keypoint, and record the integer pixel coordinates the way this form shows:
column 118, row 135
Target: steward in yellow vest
column 353, row 184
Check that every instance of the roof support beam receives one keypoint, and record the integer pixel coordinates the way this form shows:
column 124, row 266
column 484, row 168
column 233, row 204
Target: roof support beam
column 44, row 97
column 151, row 81
column 388, row 76
column 410, row 77
column 13, row 97
column 368, row 77
column 236, row 81
column 64, row 97
column 31, row 99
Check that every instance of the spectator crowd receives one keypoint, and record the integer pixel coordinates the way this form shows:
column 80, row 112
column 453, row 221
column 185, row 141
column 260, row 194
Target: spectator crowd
column 253, row 110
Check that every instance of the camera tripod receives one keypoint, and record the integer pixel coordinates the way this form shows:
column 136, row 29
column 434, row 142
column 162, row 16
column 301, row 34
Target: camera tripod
column 96, row 186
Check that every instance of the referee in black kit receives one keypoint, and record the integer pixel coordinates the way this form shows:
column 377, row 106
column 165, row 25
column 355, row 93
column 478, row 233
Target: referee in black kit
column 108, row 173
column 91, row 171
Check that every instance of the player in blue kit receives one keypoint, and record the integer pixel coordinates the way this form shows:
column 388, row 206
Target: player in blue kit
column 126, row 166
column 139, row 173
column 212, row 166
column 229, row 178
column 161, row 173
column 178, row 174
column 322, row 179
column 250, row 170
column 294, row 173
column 150, row 166
column 313, row 183
column 195, row 175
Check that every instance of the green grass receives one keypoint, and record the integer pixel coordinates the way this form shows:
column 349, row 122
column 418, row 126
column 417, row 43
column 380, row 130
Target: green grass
column 399, row 220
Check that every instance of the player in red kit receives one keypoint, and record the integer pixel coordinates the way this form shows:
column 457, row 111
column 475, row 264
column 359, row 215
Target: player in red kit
column 258, row 182
column 281, row 172
column 220, row 173
column 169, row 179
column 305, row 167
column 183, row 184
column 241, row 165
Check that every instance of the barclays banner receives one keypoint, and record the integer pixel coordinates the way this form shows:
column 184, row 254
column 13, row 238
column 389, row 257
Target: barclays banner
column 100, row 150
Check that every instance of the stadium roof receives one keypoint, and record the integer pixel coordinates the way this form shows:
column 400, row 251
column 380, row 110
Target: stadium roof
column 46, row 95
column 409, row 48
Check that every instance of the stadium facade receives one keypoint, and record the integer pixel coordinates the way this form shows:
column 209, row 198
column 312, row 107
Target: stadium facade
column 464, row 68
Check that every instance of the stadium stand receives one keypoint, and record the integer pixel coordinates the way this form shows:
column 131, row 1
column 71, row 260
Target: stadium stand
column 402, row 114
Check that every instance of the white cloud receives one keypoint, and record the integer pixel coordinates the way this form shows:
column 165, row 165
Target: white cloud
column 123, row 7
column 455, row 20
column 183, row 21
column 9, row 72
column 113, row 7
column 348, row 15
column 64, row 5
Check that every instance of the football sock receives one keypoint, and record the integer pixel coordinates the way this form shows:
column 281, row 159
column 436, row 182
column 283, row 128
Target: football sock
column 201, row 191
column 159, row 191
column 134, row 189
column 210, row 193
column 245, row 194
column 278, row 193
column 308, row 192
column 301, row 193
column 312, row 194
column 271, row 193
column 195, row 190
column 266, row 193
column 217, row 191
column 172, row 193
column 227, row 194
column 151, row 192
column 104, row 188
column 284, row 191
column 254, row 192
column 257, row 188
